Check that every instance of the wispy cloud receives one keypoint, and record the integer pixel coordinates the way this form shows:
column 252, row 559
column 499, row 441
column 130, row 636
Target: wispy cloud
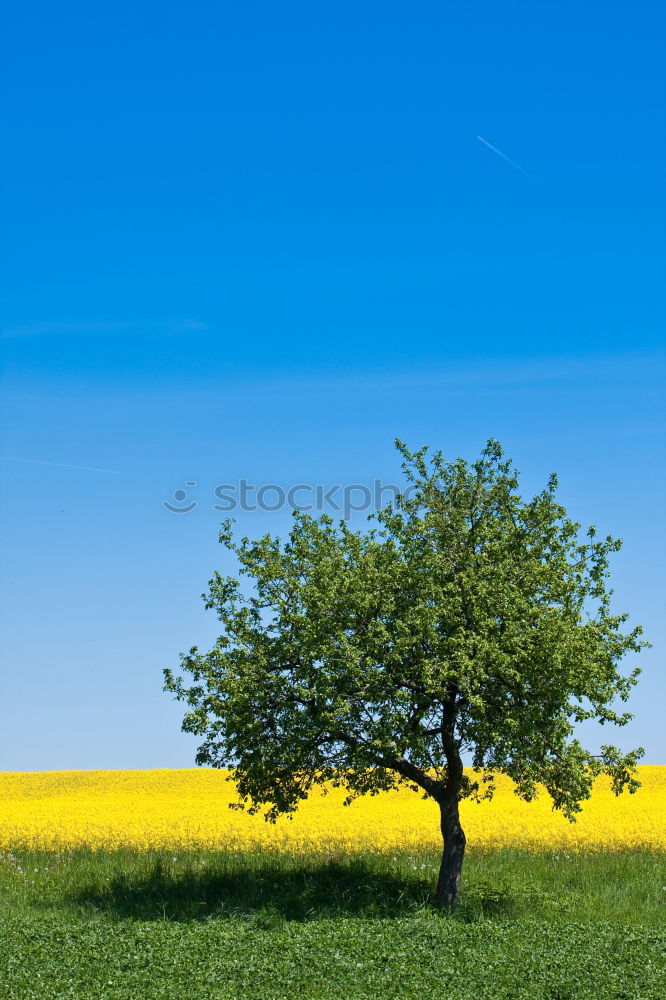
column 499, row 152
column 499, row 373
column 60, row 465
column 39, row 328
column 191, row 324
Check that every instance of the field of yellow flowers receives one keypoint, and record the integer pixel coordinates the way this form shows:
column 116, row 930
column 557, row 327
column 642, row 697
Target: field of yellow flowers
column 188, row 809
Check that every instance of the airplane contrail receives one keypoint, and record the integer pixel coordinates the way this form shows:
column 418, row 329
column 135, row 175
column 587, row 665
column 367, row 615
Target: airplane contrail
column 60, row 465
column 503, row 155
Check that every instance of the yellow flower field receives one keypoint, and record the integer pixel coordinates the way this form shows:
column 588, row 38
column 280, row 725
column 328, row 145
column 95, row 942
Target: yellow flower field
column 188, row 809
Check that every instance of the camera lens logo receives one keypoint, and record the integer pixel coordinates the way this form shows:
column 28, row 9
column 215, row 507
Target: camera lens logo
column 180, row 496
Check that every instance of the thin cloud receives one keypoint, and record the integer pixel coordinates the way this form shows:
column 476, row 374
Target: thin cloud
column 499, row 373
column 499, row 152
column 192, row 324
column 60, row 465
column 39, row 328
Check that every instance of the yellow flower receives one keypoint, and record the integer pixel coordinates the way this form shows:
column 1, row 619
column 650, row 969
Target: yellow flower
column 188, row 809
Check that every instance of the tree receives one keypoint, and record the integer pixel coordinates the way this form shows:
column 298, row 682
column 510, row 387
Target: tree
column 467, row 621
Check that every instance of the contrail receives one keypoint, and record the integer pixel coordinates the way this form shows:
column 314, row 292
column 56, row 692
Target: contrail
column 60, row 465
column 503, row 155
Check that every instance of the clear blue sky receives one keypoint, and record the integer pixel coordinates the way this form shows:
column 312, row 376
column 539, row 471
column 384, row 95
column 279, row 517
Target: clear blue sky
column 259, row 240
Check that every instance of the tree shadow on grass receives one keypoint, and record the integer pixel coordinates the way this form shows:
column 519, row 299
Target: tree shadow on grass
column 270, row 893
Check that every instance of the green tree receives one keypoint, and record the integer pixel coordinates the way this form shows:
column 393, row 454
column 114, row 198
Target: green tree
column 467, row 621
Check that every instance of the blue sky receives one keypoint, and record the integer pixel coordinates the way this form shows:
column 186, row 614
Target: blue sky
column 262, row 241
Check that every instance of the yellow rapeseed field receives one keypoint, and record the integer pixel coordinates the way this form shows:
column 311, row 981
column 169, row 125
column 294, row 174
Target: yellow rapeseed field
column 188, row 809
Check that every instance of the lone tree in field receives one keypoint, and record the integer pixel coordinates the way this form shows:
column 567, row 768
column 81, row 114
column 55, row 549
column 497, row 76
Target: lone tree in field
column 470, row 621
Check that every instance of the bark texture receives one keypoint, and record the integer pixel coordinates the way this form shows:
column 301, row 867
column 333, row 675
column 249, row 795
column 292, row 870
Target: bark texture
column 448, row 883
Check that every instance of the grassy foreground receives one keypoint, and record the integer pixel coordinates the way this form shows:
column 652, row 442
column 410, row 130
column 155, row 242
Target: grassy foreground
column 131, row 925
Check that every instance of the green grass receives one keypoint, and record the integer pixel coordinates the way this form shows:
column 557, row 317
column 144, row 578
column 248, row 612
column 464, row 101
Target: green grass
column 232, row 927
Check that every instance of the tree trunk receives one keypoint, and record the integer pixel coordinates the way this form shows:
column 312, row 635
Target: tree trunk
column 448, row 883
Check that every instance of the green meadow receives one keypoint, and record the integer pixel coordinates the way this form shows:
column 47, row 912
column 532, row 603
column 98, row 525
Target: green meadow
column 220, row 926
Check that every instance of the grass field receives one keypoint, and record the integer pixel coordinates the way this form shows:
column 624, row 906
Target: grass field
column 333, row 920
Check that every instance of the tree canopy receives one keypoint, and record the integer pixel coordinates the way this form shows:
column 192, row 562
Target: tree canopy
column 466, row 623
